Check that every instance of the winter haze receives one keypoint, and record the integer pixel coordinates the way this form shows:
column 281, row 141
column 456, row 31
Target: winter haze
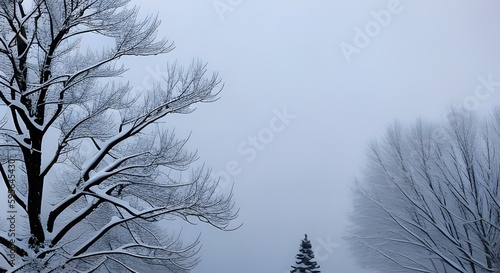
column 307, row 86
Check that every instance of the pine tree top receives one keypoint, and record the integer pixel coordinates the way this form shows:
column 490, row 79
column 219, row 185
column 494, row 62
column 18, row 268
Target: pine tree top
column 305, row 259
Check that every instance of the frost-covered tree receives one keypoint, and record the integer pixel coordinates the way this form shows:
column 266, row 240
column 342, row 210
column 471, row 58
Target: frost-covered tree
column 430, row 198
column 305, row 259
column 93, row 174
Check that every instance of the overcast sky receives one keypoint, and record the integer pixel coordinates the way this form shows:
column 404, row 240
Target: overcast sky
column 307, row 85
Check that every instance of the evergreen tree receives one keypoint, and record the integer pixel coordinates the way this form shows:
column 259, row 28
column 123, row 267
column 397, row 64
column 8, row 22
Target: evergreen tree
column 305, row 263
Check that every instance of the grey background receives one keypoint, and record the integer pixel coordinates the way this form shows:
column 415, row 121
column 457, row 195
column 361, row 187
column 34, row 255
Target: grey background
column 286, row 54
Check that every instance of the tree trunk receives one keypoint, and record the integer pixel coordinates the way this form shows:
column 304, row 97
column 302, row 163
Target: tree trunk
column 33, row 159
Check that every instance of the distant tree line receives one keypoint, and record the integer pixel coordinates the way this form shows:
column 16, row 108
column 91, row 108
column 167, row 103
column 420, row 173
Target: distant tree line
column 429, row 200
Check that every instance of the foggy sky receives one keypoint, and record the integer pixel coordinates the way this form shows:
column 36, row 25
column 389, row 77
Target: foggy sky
column 307, row 86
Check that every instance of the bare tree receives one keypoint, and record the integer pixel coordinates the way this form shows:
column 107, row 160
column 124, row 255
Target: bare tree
column 97, row 209
column 429, row 200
